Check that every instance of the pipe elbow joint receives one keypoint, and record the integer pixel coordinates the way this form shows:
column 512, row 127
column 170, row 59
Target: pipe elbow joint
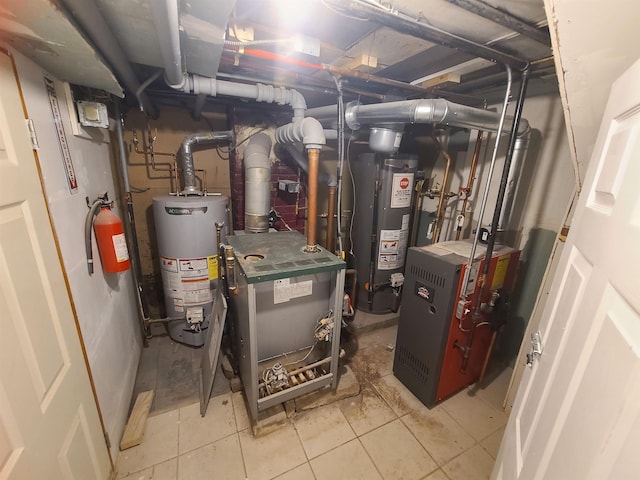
column 307, row 130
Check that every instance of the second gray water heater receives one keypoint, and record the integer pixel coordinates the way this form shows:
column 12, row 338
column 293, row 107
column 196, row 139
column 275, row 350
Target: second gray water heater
column 382, row 222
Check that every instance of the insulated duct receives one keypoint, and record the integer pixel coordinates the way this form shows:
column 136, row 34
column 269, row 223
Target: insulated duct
column 185, row 157
column 257, row 174
column 198, row 84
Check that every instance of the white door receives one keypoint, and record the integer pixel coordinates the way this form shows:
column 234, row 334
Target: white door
column 577, row 411
column 49, row 423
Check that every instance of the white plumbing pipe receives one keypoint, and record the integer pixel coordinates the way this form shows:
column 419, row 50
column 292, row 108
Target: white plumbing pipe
column 257, row 186
column 198, row 84
column 167, row 23
column 308, row 131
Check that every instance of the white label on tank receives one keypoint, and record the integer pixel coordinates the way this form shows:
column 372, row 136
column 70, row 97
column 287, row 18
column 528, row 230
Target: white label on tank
column 388, row 249
column 186, row 281
column 284, row 290
column 120, row 247
column 398, row 139
column 405, row 222
column 401, row 190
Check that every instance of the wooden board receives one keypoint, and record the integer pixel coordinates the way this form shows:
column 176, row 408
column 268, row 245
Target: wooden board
column 134, row 431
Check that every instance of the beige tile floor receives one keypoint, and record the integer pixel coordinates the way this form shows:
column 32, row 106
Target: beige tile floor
column 383, row 433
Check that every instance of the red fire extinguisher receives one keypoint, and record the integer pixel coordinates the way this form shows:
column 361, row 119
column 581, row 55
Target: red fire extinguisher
column 109, row 232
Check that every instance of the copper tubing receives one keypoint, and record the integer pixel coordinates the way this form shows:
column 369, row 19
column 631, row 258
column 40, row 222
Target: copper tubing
column 439, row 215
column 312, row 199
column 471, row 179
column 331, row 211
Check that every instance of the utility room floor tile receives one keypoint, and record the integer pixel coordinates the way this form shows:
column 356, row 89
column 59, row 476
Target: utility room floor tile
column 396, row 452
column 438, row 433
column 303, row 472
column 273, row 454
column 323, row 429
column 221, row 460
column 160, row 443
column 477, row 417
column 349, row 461
column 196, row 430
column 474, row 464
column 366, row 411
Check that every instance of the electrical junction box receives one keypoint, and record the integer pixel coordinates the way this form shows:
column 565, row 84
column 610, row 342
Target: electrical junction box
column 93, row 114
column 435, row 320
column 287, row 310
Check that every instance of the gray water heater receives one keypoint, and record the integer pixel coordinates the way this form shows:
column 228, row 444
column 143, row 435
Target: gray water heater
column 186, row 236
column 382, row 219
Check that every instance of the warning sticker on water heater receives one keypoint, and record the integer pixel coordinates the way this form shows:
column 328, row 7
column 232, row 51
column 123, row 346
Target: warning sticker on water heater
column 393, row 244
column 186, row 281
column 401, row 190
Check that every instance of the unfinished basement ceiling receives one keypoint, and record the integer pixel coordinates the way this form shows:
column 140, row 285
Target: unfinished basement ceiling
column 358, row 35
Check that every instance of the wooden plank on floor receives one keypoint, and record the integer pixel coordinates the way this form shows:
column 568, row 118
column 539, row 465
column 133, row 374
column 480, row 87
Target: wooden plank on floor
column 134, row 430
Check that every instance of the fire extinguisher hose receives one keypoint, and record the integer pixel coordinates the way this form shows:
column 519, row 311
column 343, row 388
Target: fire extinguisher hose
column 87, row 232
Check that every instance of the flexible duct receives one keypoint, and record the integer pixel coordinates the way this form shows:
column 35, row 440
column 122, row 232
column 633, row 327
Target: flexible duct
column 257, row 174
column 185, row 156
column 198, row 84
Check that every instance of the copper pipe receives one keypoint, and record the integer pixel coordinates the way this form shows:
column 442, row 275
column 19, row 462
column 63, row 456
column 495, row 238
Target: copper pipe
column 471, row 179
column 312, row 199
column 331, row 211
column 439, row 216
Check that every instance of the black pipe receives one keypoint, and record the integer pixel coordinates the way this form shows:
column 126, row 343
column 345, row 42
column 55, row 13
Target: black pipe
column 92, row 23
column 374, row 239
column 496, row 213
column 414, row 28
column 484, row 10
column 143, row 304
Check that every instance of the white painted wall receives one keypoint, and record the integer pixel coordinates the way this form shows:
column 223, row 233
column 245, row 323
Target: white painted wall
column 593, row 43
column 105, row 303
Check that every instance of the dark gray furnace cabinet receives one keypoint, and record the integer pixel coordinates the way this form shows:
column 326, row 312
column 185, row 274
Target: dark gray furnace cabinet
column 282, row 294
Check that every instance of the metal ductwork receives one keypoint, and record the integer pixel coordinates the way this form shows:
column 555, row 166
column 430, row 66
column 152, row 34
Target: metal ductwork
column 185, row 157
column 438, row 111
column 257, row 192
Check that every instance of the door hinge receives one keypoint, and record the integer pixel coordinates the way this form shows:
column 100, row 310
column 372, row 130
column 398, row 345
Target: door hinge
column 107, row 440
column 536, row 348
column 32, row 134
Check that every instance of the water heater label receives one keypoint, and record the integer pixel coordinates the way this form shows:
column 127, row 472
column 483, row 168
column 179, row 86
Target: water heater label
column 186, row 281
column 186, row 210
column 284, row 290
column 401, row 190
column 392, row 247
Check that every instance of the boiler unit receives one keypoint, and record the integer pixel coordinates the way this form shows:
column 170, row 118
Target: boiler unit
column 381, row 222
column 434, row 325
column 186, row 235
column 287, row 308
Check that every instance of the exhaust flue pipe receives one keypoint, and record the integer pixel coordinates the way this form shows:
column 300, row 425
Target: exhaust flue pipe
column 257, row 178
column 185, row 157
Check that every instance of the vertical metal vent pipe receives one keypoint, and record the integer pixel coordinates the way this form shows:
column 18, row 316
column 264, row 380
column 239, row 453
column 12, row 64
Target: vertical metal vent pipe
column 257, row 178
column 185, row 156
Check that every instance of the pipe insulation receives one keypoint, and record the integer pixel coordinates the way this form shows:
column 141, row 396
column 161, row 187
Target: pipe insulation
column 438, row 111
column 257, row 191
column 167, row 23
column 185, row 156
column 213, row 87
